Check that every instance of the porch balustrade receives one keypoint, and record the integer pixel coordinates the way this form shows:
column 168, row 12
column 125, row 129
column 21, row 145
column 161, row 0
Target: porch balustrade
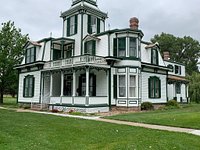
column 77, row 60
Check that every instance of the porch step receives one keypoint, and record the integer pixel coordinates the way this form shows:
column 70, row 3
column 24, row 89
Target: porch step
column 39, row 106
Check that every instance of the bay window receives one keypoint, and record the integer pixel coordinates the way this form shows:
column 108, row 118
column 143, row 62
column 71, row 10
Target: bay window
column 122, row 86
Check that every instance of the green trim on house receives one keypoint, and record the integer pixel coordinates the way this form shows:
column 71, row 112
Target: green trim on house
column 125, row 30
column 109, row 88
column 115, row 86
column 81, row 34
column 84, row 8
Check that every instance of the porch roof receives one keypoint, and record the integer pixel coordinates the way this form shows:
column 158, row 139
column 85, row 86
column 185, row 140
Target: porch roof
column 172, row 79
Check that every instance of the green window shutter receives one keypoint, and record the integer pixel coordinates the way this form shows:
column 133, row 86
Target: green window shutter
column 115, row 86
column 98, row 25
column 33, row 86
column 68, row 26
column 157, row 61
column 34, row 54
column 149, row 86
column 159, row 87
column 85, row 47
column 76, row 24
column 93, row 48
column 115, row 47
column 89, row 24
column 80, row 86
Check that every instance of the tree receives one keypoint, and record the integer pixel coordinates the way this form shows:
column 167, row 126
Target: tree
column 11, row 53
column 194, row 87
column 185, row 50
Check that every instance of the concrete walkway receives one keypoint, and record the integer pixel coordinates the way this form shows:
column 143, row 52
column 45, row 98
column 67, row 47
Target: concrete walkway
column 97, row 118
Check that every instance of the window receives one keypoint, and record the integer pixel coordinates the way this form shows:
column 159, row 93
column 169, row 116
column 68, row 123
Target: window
column 177, row 69
column 122, row 86
column 178, row 88
column 31, row 55
column 29, row 86
column 56, row 51
column 72, row 24
column 68, row 51
column 119, row 46
column 93, row 24
column 132, row 86
column 154, row 56
column 154, row 87
column 170, row 67
column 90, row 47
column 68, row 85
column 132, row 47
column 82, row 85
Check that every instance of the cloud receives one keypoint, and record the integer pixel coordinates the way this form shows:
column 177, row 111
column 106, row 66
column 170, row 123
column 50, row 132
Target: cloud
column 39, row 18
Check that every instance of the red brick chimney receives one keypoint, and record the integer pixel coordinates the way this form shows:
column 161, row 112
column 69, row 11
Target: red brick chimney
column 166, row 55
column 134, row 23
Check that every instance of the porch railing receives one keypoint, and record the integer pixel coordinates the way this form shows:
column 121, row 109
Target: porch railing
column 77, row 60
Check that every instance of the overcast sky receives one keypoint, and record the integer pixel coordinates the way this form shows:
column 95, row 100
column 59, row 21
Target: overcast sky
column 40, row 17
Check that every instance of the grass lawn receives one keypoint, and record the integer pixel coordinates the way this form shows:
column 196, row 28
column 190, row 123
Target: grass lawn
column 28, row 131
column 9, row 102
column 188, row 116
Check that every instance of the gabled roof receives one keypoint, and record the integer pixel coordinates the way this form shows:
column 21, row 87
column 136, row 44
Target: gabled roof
column 90, row 37
column 32, row 43
column 152, row 45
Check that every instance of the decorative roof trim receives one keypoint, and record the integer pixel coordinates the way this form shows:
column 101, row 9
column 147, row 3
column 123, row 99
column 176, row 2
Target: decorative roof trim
column 84, row 8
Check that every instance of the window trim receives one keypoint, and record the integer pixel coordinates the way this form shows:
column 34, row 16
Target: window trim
column 135, row 86
column 28, row 79
column 136, row 50
column 125, row 86
column 153, row 80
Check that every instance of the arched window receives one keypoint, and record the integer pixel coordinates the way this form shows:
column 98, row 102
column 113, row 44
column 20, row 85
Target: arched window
column 29, row 86
column 154, row 87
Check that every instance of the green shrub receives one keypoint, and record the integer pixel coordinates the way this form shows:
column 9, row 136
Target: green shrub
column 147, row 106
column 172, row 103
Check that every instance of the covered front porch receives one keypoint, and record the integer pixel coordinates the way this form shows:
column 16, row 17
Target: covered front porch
column 85, row 86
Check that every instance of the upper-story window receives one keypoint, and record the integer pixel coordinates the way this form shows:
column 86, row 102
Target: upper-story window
column 57, row 51
column 132, row 47
column 72, row 24
column 120, row 47
column 154, row 56
column 154, row 87
column 170, row 67
column 30, row 55
column 90, row 47
column 177, row 69
column 68, row 49
column 93, row 24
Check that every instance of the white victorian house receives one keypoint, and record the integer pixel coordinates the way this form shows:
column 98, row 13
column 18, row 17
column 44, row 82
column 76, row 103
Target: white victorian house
column 92, row 70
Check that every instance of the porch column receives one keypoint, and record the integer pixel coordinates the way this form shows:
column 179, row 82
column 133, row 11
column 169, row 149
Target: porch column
column 87, row 86
column 51, row 84
column 61, row 91
column 174, row 90
column 108, row 73
column 74, row 86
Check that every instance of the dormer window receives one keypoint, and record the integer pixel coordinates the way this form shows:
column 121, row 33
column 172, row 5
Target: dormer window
column 177, row 69
column 30, row 55
column 154, row 56
column 72, row 24
column 93, row 24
